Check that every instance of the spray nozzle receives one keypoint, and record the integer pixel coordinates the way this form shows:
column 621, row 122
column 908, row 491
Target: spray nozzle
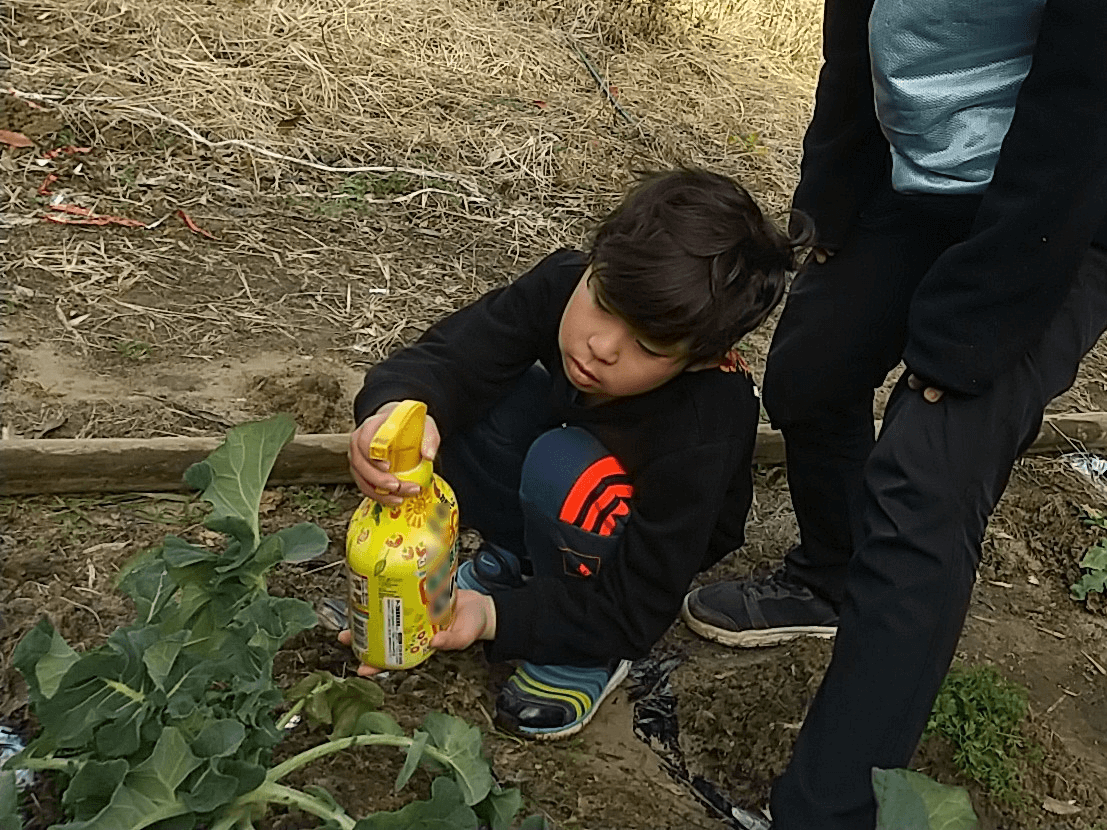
column 399, row 441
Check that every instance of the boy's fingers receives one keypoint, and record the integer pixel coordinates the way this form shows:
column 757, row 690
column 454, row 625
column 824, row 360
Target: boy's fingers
column 345, row 637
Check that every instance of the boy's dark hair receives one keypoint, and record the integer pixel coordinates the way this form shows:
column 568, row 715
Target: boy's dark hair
column 689, row 256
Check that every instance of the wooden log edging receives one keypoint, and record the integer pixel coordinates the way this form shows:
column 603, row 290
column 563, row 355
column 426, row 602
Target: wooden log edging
column 115, row 465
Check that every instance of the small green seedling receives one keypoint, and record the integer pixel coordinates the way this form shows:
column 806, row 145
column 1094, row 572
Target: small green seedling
column 1095, row 578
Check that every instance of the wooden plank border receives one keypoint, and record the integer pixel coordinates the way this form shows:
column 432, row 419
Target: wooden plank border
column 107, row 465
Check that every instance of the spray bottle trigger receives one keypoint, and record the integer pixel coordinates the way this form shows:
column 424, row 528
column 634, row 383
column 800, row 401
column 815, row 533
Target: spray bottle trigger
column 399, row 441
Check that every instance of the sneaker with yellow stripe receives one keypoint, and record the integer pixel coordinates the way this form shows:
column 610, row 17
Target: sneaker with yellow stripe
column 551, row 702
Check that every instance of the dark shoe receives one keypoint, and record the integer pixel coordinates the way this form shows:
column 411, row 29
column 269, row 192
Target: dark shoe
column 551, row 702
column 491, row 569
column 758, row 612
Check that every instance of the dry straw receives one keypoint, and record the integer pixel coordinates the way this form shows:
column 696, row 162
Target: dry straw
column 494, row 93
column 450, row 141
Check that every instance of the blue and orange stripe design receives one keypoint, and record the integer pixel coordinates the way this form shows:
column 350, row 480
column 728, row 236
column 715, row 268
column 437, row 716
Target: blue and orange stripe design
column 599, row 498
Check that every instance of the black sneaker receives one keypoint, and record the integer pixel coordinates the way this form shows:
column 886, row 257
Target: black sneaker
column 758, row 612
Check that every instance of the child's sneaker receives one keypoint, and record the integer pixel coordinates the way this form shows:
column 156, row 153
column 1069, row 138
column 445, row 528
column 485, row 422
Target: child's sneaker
column 758, row 612
column 552, row 702
column 492, row 568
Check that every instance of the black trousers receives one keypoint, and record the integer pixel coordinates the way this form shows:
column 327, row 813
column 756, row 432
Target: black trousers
column 891, row 527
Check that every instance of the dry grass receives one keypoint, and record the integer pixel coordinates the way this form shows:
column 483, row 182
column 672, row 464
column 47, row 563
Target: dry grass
column 366, row 166
column 493, row 97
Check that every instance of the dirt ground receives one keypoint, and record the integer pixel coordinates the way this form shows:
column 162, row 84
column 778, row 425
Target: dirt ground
column 257, row 285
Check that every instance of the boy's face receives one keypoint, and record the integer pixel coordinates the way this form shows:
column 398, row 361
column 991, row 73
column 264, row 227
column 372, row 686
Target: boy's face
column 604, row 356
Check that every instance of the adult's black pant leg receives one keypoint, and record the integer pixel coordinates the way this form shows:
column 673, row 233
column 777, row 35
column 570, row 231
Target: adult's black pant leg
column 930, row 483
column 842, row 330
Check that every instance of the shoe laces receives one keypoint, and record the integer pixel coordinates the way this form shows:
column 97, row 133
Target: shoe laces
column 774, row 585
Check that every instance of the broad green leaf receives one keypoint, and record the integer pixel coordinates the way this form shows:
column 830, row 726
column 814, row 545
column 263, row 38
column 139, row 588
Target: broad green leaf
column 309, row 685
column 908, row 799
column 376, row 723
column 499, row 808
column 123, row 736
column 1096, row 558
column 249, row 776
column 53, row 665
column 148, row 792
column 446, row 810
column 179, row 553
column 146, row 580
column 303, row 541
column 338, row 702
column 211, row 790
column 35, row 644
column 411, row 762
column 233, row 477
column 1088, row 583
column 90, row 789
column 9, row 803
column 219, row 739
column 292, row 544
column 462, row 743
column 160, row 657
column 272, row 620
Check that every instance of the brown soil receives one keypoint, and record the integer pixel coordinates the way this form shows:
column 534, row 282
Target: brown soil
column 113, row 331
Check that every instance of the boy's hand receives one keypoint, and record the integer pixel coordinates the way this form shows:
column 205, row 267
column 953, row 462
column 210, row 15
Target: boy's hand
column 474, row 619
column 372, row 477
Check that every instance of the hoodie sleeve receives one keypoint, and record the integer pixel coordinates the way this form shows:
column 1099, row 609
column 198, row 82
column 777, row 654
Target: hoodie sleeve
column 467, row 361
column 845, row 153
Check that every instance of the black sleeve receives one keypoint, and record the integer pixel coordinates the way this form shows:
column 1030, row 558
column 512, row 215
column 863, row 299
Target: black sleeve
column 845, row 153
column 986, row 301
column 467, row 361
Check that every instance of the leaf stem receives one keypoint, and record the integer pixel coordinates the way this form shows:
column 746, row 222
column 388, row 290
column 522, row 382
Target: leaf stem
column 270, row 792
column 330, row 747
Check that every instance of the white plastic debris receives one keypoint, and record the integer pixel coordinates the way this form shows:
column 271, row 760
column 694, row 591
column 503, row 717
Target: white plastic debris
column 1092, row 467
column 10, row 744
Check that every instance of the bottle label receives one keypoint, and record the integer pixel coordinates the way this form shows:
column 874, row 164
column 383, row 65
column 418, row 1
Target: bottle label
column 359, row 629
column 393, row 609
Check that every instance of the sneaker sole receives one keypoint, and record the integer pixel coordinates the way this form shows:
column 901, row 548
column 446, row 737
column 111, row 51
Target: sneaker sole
column 754, row 637
column 558, row 732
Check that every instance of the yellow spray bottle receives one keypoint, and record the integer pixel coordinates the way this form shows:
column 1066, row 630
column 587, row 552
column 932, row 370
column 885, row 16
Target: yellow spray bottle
column 401, row 560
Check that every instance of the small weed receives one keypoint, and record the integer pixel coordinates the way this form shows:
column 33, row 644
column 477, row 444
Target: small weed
column 133, row 349
column 361, row 185
column 314, row 503
column 65, row 137
column 980, row 712
column 165, row 141
column 1094, row 561
column 749, row 143
column 127, row 177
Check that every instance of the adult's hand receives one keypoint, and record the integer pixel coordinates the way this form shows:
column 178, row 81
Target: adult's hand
column 931, row 394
